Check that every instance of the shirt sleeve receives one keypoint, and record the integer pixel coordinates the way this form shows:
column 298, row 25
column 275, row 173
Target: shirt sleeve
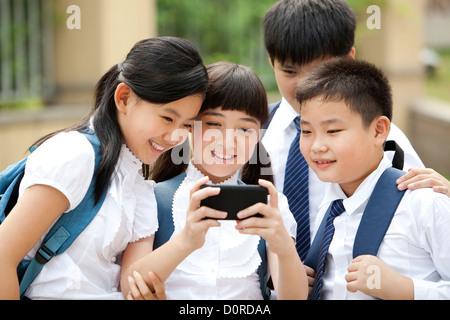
column 65, row 162
column 288, row 217
column 435, row 225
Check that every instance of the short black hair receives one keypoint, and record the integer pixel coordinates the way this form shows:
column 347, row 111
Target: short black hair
column 363, row 87
column 301, row 31
column 236, row 87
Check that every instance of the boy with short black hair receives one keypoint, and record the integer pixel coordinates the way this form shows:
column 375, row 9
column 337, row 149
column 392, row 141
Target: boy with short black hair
column 346, row 108
column 300, row 34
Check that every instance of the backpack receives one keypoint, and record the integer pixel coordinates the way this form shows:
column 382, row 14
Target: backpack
column 164, row 192
column 377, row 216
column 64, row 231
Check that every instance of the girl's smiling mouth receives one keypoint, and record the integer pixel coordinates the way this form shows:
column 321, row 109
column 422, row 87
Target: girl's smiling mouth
column 221, row 157
column 157, row 147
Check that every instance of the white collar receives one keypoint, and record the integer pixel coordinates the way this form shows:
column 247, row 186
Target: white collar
column 284, row 116
column 194, row 174
column 362, row 193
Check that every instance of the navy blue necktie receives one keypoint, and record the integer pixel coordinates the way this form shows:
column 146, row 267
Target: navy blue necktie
column 336, row 209
column 296, row 190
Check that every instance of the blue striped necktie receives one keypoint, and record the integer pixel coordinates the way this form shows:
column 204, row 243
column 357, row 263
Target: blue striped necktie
column 337, row 208
column 296, row 190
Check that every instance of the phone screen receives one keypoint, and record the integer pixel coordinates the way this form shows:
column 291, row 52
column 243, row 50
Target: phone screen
column 234, row 198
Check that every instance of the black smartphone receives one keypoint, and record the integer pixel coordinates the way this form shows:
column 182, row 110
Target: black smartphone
column 234, row 198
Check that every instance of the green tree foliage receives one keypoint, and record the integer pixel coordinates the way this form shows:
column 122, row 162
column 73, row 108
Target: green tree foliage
column 227, row 29
column 221, row 29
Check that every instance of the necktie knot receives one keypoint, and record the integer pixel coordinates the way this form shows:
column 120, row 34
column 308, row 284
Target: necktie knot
column 337, row 208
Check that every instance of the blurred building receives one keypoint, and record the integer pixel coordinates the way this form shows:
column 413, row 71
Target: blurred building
column 52, row 53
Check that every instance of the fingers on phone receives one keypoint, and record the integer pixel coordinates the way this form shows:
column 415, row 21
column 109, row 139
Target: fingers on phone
column 272, row 192
column 206, row 212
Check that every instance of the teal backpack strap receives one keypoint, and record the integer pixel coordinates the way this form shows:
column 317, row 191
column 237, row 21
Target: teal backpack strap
column 263, row 270
column 164, row 192
column 378, row 214
column 67, row 228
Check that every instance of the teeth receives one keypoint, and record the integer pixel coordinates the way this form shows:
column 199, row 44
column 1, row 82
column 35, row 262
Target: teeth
column 219, row 155
column 157, row 146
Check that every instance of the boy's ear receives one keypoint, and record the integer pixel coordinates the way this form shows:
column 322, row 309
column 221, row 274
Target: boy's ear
column 352, row 53
column 122, row 97
column 382, row 128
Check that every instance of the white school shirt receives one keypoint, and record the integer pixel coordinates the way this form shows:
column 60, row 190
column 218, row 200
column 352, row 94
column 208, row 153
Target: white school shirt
column 226, row 266
column 281, row 132
column 90, row 267
column 416, row 244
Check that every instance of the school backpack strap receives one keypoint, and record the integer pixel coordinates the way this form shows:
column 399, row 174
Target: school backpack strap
column 67, row 228
column 263, row 272
column 399, row 155
column 378, row 214
column 164, row 192
column 9, row 185
column 273, row 107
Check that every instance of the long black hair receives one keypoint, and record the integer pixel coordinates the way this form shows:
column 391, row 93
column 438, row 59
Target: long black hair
column 158, row 70
column 231, row 87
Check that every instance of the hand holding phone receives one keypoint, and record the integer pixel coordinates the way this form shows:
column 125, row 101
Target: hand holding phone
column 234, row 198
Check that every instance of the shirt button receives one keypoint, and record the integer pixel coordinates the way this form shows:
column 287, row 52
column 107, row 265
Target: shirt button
column 113, row 259
column 113, row 289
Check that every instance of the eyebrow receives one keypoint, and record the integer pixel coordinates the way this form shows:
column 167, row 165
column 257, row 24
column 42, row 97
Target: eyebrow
column 218, row 114
column 287, row 65
column 328, row 121
column 176, row 114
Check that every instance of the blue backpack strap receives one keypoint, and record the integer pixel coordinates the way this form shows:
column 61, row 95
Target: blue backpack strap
column 378, row 214
column 399, row 155
column 164, row 192
column 9, row 179
column 263, row 270
column 273, row 107
column 68, row 226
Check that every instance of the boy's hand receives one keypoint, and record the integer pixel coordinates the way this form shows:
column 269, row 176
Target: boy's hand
column 417, row 178
column 311, row 275
column 139, row 290
column 372, row 276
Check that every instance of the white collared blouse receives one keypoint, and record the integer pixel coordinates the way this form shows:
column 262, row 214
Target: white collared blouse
column 226, row 266
column 90, row 267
